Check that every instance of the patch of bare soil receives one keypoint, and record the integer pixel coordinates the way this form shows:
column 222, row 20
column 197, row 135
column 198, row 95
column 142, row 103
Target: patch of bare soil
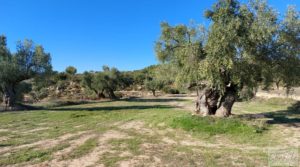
column 169, row 141
column 58, row 156
column 73, row 144
column 113, row 134
column 269, row 95
column 138, row 126
column 91, row 158
column 36, row 130
column 291, row 136
column 162, row 154
column 138, row 160
column 3, row 138
column 156, row 154
column 44, row 144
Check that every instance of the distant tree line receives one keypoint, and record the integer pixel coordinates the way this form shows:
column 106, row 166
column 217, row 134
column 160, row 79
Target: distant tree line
column 28, row 75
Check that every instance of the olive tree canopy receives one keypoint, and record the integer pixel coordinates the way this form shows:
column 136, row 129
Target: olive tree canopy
column 28, row 62
column 246, row 45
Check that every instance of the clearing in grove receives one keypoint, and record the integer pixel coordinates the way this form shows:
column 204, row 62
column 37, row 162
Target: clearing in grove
column 147, row 132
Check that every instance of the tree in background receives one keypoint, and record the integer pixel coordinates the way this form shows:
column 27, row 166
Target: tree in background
column 94, row 82
column 153, row 85
column 71, row 71
column 286, row 64
column 28, row 62
column 40, row 86
column 103, row 83
column 239, row 51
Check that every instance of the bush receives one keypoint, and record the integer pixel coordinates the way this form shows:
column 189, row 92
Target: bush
column 61, row 85
column 246, row 94
column 22, row 89
column 119, row 95
column 169, row 90
column 43, row 93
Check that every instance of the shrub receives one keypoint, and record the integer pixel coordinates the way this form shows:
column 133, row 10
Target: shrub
column 169, row 90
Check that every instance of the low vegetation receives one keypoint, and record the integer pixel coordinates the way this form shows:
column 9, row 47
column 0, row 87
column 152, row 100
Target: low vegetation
column 116, row 132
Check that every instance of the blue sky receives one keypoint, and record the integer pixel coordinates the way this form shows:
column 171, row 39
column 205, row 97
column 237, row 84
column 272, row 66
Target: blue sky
column 90, row 33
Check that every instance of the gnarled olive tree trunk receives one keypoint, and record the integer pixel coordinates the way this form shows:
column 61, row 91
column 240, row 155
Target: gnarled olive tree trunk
column 111, row 94
column 9, row 97
column 210, row 103
column 100, row 95
column 226, row 102
column 207, row 103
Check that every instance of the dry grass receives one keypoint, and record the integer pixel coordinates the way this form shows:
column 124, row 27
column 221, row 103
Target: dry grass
column 147, row 132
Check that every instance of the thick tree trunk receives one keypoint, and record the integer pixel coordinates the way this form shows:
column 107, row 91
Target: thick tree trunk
column 277, row 84
column 9, row 97
column 227, row 101
column 4, row 101
column 100, row 95
column 207, row 104
column 201, row 106
column 111, row 94
column 212, row 101
column 153, row 93
column 198, row 94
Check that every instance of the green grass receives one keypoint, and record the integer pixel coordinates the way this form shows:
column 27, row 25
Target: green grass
column 216, row 126
column 83, row 149
column 30, row 155
column 111, row 159
column 97, row 118
column 132, row 145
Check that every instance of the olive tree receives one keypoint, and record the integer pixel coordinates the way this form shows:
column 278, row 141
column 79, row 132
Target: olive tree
column 153, row 85
column 71, row 70
column 28, row 62
column 103, row 83
column 286, row 64
column 94, row 82
column 242, row 44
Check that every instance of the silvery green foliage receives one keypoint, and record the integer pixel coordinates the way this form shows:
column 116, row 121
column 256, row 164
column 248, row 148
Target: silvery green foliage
column 104, row 82
column 245, row 45
column 28, row 62
column 182, row 47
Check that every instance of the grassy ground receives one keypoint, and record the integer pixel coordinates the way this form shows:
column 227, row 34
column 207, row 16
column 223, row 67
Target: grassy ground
column 147, row 132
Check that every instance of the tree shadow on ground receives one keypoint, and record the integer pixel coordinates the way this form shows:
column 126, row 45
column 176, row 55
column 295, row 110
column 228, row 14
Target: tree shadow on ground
column 158, row 100
column 143, row 105
column 289, row 117
column 70, row 105
column 113, row 108
column 5, row 145
column 28, row 107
